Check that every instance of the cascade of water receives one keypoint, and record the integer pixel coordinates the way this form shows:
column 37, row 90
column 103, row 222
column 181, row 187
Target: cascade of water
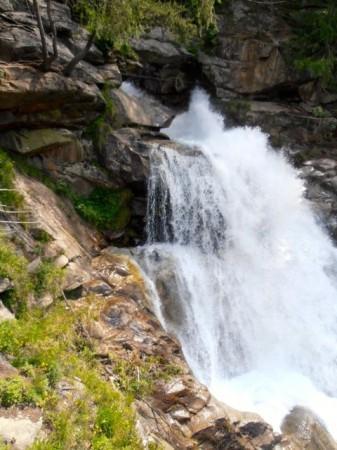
column 254, row 272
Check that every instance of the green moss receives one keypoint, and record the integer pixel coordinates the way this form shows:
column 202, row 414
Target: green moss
column 319, row 112
column 100, row 128
column 105, row 208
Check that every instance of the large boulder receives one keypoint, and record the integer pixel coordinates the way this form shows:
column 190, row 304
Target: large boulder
column 29, row 98
column 126, row 154
column 19, row 427
column 136, row 108
column 30, row 142
column 321, row 189
column 306, row 431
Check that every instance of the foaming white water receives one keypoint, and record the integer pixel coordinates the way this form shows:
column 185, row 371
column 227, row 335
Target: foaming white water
column 255, row 274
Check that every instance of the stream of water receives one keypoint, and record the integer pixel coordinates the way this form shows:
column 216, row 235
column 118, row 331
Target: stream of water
column 255, row 274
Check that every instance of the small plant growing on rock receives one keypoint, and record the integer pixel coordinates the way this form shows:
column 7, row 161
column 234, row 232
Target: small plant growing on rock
column 9, row 196
column 16, row 391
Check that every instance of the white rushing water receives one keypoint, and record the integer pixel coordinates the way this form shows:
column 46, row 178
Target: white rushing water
column 255, row 305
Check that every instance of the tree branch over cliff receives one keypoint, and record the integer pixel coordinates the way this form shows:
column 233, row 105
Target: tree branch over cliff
column 79, row 56
column 114, row 22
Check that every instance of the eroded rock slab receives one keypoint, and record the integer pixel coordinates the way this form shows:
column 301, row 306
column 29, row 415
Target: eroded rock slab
column 20, row 427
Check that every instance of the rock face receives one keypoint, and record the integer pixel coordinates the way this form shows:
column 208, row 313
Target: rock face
column 20, row 428
column 30, row 142
column 68, row 235
column 134, row 108
column 167, row 69
column 321, row 182
column 252, row 76
column 29, row 98
column 126, row 154
column 179, row 413
column 248, row 57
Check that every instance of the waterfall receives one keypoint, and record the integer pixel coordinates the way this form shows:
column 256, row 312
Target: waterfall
column 254, row 274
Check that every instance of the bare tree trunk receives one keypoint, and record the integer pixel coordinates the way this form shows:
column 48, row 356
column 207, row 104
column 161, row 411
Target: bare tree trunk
column 47, row 60
column 42, row 33
column 79, row 56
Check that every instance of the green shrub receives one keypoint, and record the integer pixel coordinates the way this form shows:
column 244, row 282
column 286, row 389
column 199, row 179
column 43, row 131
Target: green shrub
column 137, row 377
column 14, row 267
column 315, row 42
column 48, row 278
column 105, row 208
column 7, row 176
column 15, row 391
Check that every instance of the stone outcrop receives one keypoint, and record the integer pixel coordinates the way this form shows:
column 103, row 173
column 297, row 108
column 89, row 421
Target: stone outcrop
column 179, row 413
column 167, row 69
column 321, row 189
column 134, row 108
column 30, row 142
column 67, row 233
column 306, row 431
column 254, row 80
column 29, row 98
column 20, row 427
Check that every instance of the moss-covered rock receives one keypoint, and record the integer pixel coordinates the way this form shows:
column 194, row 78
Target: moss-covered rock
column 30, row 142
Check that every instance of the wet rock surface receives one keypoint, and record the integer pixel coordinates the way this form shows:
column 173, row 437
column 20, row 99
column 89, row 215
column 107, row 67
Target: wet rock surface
column 321, row 189
column 307, row 431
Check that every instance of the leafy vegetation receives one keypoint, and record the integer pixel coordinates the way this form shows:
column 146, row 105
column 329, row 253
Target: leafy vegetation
column 137, row 377
column 114, row 22
column 117, row 20
column 315, row 43
column 107, row 209
column 7, row 176
column 48, row 347
column 15, row 268
column 48, row 278
column 16, row 391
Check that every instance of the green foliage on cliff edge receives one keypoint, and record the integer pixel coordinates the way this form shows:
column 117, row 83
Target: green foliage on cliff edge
column 10, row 198
column 114, row 22
column 315, row 42
column 105, row 208
column 47, row 278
